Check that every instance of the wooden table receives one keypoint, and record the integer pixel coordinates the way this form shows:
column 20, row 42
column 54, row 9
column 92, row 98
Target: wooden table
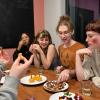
column 40, row 94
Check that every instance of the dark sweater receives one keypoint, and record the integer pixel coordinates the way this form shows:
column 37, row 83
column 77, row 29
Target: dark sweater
column 25, row 52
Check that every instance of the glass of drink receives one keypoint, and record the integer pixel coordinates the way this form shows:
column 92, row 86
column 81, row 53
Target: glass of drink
column 56, row 72
column 41, row 70
column 86, row 87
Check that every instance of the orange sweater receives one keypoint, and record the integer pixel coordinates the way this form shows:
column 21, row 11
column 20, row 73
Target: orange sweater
column 67, row 55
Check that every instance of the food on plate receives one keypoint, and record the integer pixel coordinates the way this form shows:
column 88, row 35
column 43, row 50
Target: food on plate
column 54, row 85
column 21, row 56
column 34, row 78
column 68, row 96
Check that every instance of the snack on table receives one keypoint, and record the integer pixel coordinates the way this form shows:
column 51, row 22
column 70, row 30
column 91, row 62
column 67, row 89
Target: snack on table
column 68, row 96
column 54, row 85
column 21, row 56
column 35, row 78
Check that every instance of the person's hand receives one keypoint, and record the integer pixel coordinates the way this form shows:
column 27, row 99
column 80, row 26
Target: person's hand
column 64, row 76
column 37, row 47
column 85, row 51
column 31, row 49
column 21, row 43
column 59, row 68
column 18, row 69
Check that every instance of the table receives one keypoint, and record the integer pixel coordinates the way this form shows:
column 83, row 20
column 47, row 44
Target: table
column 40, row 94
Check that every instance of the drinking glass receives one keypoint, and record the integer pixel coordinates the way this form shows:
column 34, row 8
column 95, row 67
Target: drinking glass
column 56, row 72
column 86, row 87
column 41, row 70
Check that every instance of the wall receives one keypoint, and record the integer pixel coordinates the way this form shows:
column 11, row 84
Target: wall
column 90, row 4
column 87, row 4
column 47, row 12
column 52, row 10
column 38, row 15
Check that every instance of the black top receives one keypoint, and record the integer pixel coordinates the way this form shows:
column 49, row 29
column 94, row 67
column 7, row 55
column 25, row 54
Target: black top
column 25, row 52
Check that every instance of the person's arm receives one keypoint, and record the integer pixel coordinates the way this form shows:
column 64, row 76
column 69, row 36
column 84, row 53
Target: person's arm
column 36, row 57
column 15, row 54
column 8, row 91
column 80, row 70
column 66, row 74
column 17, row 51
column 21, row 43
column 47, row 60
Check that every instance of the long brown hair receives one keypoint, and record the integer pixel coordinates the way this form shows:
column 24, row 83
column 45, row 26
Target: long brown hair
column 43, row 34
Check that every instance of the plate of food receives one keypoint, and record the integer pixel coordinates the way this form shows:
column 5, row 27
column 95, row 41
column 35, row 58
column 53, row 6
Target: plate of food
column 62, row 96
column 33, row 79
column 53, row 86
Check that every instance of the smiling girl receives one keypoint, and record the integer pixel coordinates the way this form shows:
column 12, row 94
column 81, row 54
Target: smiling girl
column 44, row 51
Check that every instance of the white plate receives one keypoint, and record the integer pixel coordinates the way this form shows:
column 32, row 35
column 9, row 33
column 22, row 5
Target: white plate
column 2, row 80
column 25, row 80
column 57, row 95
column 50, row 89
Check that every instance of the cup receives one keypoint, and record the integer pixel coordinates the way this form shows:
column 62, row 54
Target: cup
column 86, row 87
column 56, row 72
column 41, row 70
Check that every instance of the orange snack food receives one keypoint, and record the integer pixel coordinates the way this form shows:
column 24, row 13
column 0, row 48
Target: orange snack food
column 31, row 79
column 21, row 56
column 35, row 78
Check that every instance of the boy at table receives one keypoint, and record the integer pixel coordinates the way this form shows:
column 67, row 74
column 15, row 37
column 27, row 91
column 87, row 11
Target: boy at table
column 8, row 91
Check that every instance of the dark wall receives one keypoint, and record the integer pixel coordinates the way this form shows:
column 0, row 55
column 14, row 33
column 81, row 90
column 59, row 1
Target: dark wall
column 82, row 18
column 16, row 16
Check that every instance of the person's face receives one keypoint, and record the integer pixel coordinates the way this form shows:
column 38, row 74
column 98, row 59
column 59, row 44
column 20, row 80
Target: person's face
column 64, row 35
column 25, row 39
column 43, row 42
column 93, row 39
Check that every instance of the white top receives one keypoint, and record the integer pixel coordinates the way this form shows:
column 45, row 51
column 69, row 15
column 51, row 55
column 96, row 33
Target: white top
column 91, row 65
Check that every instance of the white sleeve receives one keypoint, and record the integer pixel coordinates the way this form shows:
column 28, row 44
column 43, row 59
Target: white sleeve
column 87, row 67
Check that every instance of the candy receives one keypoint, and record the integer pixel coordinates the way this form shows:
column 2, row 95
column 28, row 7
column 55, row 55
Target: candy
column 21, row 56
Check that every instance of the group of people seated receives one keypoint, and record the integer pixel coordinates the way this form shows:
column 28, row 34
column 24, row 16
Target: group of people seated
column 71, row 60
